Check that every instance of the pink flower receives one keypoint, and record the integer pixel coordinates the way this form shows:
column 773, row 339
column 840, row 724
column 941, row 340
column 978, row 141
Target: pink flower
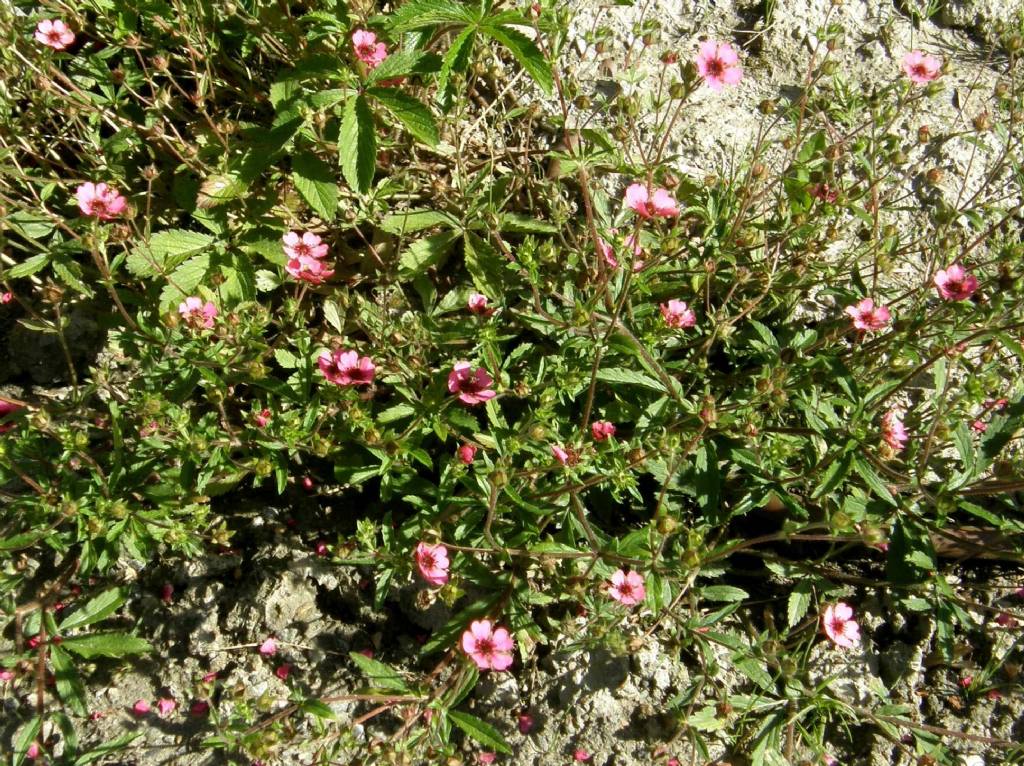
column 893, row 432
column 1006, row 620
column 605, row 251
column 166, row 706
column 581, row 755
column 6, row 297
column 140, row 708
column 466, row 453
column 477, row 304
column 166, row 592
column 966, row 681
column 867, row 316
column 307, row 269
column 920, row 67
column 646, row 205
column 283, row 671
column 472, row 387
column 677, row 314
column 269, row 647
column 347, row 368
column 262, row 417
column 54, row 33
column 602, row 429
column 367, row 49
column 432, row 561
column 627, row 588
column 486, row 757
column 954, row 283
column 199, row 708
column 6, row 675
column 526, row 723
column 565, row 456
column 307, row 245
column 197, row 313
column 490, row 649
column 7, row 408
column 33, row 751
column 211, row 676
column 100, row 201
column 979, row 426
column 839, row 625
column 718, row 64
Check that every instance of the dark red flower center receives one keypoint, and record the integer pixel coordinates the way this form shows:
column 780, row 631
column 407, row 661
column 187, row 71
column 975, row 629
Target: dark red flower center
column 715, row 67
column 485, row 646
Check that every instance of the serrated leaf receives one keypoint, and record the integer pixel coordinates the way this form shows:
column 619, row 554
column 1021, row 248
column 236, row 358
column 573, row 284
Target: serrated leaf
column 95, row 609
column 106, row 645
column 484, row 264
column 834, row 475
column 724, row 593
column 872, row 479
column 315, row 182
column 357, row 144
column 622, row 376
column 523, row 224
column 165, row 251
column 29, row 266
column 428, row 13
column 70, row 688
column 526, row 53
column 416, row 220
column 183, row 280
column 481, row 731
column 403, row 63
column 456, row 59
column 25, row 737
column 425, row 253
column 379, row 674
column 414, row 116
column 333, row 315
column 799, row 603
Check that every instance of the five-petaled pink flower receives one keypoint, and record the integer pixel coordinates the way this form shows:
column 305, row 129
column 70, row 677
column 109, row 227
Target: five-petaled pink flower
column 367, row 49
column 432, row 561
column 7, row 408
column 954, row 283
column 893, row 432
column 718, row 64
column 305, row 257
column 100, row 201
column 473, row 387
column 602, row 429
column 166, row 706
column 269, row 647
column 54, row 33
column 867, row 316
column 678, row 314
column 477, row 304
column 490, row 648
column 197, row 313
column 467, row 452
column 347, row 368
column 627, row 587
column 645, row 204
column 839, row 625
column 920, row 67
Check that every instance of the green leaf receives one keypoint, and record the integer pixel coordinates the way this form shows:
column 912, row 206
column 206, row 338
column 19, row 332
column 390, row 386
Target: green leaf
column 416, row 220
column 380, row 675
column 25, row 737
column 425, row 253
column 414, row 116
column 403, row 63
column 526, row 53
column 523, row 224
column 315, row 182
column 106, row 645
column 708, row 480
column 872, row 479
column 428, row 13
column 166, row 250
column 332, row 315
column 481, row 731
column 318, row 709
column 29, row 266
column 107, row 748
column 484, row 264
column 456, row 59
column 357, row 144
column 69, row 685
column 619, row 375
column 98, row 607
column 834, row 474
column 183, row 280
column 799, row 603
column 724, row 593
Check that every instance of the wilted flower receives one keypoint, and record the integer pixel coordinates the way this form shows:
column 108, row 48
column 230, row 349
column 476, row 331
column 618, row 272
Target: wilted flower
column 954, row 283
column 602, row 429
column 100, row 201
column 627, row 587
column 432, row 561
column 565, row 456
column 199, row 708
column 262, row 417
column 347, row 368
column 490, row 648
column 367, row 49
column 54, row 33
column 477, row 304
column 7, row 408
column 867, row 316
column 677, row 314
column 839, row 625
column 893, row 432
column 472, row 387
column 525, row 723
column 283, row 671
column 140, row 708
column 166, row 706
column 197, row 313
column 718, row 64
column 920, row 67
